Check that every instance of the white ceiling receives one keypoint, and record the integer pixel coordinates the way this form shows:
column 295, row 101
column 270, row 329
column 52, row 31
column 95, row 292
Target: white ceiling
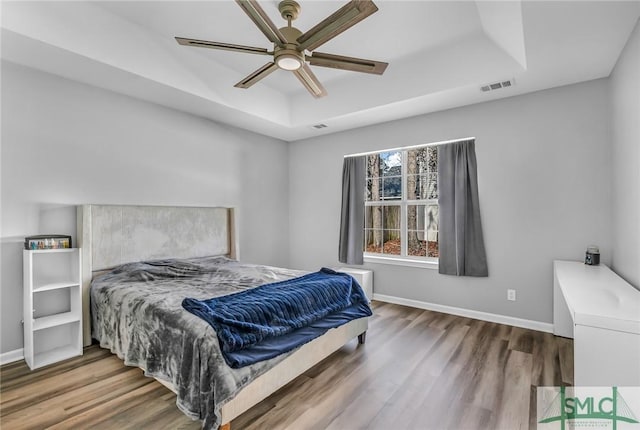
column 439, row 54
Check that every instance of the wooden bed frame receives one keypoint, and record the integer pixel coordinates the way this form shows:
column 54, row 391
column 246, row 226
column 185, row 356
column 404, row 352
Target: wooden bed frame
column 110, row 235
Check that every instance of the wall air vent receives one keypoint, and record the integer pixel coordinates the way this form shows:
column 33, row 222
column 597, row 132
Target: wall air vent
column 319, row 126
column 497, row 85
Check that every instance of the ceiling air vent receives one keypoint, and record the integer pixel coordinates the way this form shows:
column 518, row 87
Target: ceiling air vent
column 319, row 126
column 497, row 85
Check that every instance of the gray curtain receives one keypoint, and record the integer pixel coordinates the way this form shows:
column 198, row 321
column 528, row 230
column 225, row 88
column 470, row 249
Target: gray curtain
column 460, row 239
column 352, row 214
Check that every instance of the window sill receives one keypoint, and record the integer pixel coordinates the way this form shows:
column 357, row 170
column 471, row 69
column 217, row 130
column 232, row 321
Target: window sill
column 400, row 261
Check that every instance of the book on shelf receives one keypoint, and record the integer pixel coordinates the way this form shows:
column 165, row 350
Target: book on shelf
column 47, row 241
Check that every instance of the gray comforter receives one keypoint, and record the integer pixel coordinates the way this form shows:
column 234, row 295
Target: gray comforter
column 136, row 312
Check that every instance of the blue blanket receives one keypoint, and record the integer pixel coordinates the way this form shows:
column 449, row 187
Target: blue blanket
column 244, row 320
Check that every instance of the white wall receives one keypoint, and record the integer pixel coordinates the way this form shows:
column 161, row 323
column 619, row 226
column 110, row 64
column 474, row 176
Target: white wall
column 625, row 130
column 544, row 181
column 64, row 143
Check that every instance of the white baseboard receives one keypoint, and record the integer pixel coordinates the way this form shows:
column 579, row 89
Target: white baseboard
column 11, row 356
column 484, row 316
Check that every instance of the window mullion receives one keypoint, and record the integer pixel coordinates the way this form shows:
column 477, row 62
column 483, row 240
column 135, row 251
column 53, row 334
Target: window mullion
column 403, row 208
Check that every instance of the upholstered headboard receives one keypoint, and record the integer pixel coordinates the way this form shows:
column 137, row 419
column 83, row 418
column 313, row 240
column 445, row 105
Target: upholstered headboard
column 110, row 235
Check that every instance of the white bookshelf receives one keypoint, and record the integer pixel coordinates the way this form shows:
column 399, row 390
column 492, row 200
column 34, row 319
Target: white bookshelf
column 52, row 305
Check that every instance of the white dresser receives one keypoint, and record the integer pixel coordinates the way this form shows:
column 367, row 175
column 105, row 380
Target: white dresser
column 601, row 312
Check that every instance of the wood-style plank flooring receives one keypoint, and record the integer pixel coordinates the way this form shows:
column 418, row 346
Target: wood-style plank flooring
column 418, row 370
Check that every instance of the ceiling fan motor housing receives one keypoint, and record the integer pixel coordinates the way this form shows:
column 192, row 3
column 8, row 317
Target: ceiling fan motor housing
column 290, row 49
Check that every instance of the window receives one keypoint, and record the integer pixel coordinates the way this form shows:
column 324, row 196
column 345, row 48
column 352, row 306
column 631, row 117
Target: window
column 401, row 204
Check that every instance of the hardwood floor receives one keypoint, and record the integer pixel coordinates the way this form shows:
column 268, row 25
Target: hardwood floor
column 418, row 370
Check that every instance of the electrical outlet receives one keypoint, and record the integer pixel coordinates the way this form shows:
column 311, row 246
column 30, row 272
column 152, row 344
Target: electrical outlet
column 511, row 295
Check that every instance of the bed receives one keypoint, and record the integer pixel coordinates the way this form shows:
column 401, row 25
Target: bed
column 188, row 362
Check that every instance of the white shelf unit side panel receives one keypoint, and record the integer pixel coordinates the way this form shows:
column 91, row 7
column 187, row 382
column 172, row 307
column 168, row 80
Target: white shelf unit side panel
column 27, row 307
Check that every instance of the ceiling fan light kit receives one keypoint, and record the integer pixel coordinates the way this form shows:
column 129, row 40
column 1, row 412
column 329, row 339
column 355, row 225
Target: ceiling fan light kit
column 289, row 62
column 290, row 44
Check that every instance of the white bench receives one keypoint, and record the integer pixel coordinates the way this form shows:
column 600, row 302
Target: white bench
column 601, row 312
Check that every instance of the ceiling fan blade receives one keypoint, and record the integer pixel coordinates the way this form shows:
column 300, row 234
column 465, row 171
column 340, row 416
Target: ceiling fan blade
column 262, row 21
column 347, row 63
column 310, row 82
column 259, row 74
column 220, row 45
column 342, row 19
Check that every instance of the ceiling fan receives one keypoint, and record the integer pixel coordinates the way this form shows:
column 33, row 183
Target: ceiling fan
column 292, row 48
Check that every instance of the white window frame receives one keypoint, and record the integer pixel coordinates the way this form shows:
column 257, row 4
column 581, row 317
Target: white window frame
column 403, row 259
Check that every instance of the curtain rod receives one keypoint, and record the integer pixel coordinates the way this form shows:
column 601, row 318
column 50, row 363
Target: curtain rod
column 404, row 148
